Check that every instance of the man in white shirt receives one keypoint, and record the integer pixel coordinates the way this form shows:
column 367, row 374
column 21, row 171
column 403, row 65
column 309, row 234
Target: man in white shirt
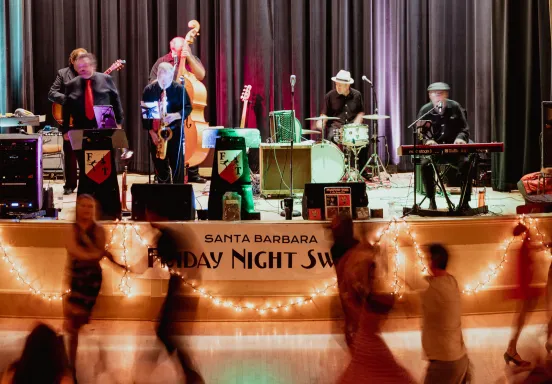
column 442, row 339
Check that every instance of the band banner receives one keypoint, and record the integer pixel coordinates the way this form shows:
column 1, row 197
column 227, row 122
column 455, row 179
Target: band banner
column 224, row 251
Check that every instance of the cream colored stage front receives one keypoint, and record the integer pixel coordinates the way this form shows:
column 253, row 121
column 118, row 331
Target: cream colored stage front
column 263, row 270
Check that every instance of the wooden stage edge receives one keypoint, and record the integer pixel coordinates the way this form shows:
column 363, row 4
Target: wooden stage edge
column 476, row 246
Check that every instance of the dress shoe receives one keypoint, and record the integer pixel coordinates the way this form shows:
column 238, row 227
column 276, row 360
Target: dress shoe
column 197, row 179
column 432, row 204
column 67, row 191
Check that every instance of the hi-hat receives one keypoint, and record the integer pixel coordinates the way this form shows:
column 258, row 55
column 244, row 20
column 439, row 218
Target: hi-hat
column 310, row 132
column 375, row 117
column 322, row 118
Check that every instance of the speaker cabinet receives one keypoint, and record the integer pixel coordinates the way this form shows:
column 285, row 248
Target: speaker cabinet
column 334, row 198
column 168, row 202
column 20, row 173
column 546, row 135
column 274, row 168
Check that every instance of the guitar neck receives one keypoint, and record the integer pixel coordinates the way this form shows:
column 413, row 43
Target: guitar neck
column 244, row 114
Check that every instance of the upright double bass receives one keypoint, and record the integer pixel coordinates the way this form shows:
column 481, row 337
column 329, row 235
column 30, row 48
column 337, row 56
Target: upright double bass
column 195, row 123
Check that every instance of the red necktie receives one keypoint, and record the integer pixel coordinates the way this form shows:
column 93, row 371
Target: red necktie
column 89, row 100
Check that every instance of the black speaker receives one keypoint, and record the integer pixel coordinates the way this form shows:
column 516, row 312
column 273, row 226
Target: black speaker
column 172, row 202
column 332, row 198
column 20, row 173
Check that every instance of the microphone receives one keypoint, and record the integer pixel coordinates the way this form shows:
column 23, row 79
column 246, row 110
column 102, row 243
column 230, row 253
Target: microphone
column 292, row 79
column 175, row 59
column 367, row 80
column 440, row 107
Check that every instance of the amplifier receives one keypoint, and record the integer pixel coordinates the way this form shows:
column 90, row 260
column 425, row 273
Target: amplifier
column 274, row 168
column 21, row 170
column 52, row 152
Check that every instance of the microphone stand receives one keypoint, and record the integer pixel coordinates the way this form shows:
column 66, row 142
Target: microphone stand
column 288, row 211
column 183, row 132
column 415, row 208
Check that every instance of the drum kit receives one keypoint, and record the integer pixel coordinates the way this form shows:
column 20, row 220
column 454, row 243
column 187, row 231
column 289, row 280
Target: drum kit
column 331, row 164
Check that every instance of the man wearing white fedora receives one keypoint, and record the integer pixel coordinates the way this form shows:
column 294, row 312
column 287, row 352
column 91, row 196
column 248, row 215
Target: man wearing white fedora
column 343, row 102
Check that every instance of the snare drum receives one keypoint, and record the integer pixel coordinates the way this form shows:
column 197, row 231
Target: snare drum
column 355, row 135
column 327, row 163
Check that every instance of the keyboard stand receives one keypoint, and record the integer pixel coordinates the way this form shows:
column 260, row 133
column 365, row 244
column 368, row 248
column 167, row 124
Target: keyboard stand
column 452, row 211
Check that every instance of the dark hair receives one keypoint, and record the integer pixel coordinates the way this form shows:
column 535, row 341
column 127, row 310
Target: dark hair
column 89, row 56
column 43, row 359
column 439, row 256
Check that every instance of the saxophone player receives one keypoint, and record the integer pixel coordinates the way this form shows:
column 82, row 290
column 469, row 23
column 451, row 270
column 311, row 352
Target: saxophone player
column 167, row 152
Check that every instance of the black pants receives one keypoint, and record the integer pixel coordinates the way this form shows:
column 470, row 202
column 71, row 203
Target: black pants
column 167, row 333
column 172, row 166
column 460, row 162
column 69, row 166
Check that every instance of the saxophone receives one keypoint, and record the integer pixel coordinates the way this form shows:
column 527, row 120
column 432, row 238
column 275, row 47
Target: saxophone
column 164, row 133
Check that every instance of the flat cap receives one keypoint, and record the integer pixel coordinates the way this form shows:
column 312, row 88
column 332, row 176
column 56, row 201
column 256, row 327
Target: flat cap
column 438, row 87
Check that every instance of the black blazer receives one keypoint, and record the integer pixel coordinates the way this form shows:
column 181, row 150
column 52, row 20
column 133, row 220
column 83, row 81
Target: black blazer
column 57, row 90
column 105, row 93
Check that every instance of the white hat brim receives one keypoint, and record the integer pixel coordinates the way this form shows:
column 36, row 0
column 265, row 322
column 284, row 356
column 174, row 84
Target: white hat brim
column 336, row 80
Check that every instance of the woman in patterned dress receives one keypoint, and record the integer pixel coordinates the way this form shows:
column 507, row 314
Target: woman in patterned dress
column 85, row 247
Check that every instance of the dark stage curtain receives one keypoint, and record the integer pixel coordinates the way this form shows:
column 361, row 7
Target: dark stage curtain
column 401, row 45
column 521, row 80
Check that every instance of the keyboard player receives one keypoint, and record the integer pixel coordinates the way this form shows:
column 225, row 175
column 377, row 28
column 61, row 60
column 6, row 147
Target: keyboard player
column 445, row 124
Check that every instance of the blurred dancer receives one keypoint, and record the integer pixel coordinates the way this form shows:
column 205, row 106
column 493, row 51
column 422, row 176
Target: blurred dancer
column 168, row 250
column 43, row 360
column 525, row 294
column 442, row 338
column 344, row 240
column 365, row 300
column 85, row 247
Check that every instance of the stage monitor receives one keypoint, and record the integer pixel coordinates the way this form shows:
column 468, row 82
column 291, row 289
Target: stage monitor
column 168, row 202
column 323, row 201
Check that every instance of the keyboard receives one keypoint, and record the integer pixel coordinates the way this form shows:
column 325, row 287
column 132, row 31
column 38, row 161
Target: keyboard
column 445, row 149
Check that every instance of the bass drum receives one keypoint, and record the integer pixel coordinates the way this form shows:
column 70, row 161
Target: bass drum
column 327, row 163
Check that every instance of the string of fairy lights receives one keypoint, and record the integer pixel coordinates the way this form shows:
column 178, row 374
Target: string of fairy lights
column 392, row 228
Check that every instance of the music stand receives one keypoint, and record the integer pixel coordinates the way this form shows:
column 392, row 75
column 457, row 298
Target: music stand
column 105, row 116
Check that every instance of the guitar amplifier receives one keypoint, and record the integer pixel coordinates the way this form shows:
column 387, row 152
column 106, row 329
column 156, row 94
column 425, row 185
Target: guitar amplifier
column 274, row 168
column 21, row 170
column 52, row 152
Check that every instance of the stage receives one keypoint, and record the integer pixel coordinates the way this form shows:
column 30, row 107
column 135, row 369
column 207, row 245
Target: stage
column 390, row 196
column 270, row 269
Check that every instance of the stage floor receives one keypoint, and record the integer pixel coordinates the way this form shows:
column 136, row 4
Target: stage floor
column 271, row 352
column 391, row 197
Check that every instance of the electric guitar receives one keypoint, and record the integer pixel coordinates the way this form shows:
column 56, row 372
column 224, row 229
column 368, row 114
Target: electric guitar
column 57, row 109
column 245, row 98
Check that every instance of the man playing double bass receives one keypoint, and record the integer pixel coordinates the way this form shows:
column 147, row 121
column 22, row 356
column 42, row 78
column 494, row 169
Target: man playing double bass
column 180, row 50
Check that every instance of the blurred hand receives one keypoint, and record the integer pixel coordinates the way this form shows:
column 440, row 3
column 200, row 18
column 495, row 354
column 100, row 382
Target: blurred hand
column 431, row 142
column 66, row 136
column 119, row 126
column 186, row 51
column 171, row 117
column 459, row 141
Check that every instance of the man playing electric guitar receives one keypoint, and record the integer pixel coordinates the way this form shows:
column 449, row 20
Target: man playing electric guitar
column 57, row 95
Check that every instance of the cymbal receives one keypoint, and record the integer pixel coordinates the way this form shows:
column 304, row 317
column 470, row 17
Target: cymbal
column 322, row 118
column 375, row 117
column 310, row 132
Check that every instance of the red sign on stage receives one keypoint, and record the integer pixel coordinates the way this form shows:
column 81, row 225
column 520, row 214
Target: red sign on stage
column 98, row 165
column 230, row 165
